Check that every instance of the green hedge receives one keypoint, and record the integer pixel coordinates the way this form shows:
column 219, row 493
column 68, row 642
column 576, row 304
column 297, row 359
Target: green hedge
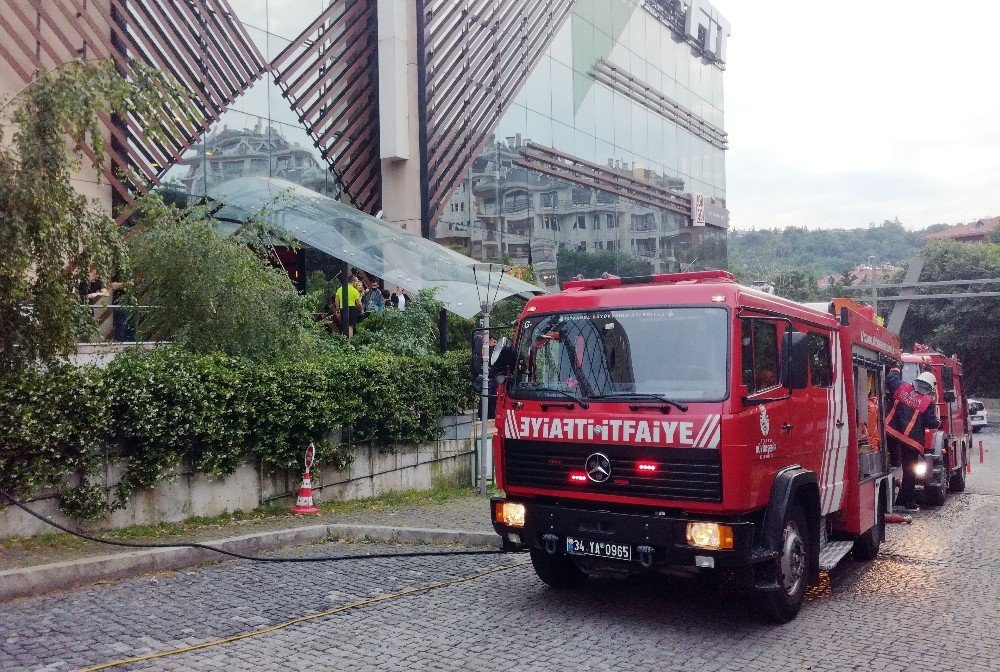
column 160, row 407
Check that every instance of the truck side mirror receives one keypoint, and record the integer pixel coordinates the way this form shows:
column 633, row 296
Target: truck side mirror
column 795, row 367
column 949, row 396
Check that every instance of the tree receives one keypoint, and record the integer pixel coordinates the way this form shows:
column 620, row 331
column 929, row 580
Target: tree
column 51, row 235
column 968, row 327
column 796, row 284
column 213, row 293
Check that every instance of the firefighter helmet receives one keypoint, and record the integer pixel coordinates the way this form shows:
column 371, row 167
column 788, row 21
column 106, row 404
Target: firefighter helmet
column 925, row 382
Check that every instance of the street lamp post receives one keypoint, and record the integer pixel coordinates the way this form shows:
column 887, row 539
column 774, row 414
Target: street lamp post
column 487, row 292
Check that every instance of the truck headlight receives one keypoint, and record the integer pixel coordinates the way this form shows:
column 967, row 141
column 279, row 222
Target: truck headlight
column 920, row 468
column 510, row 514
column 710, row 535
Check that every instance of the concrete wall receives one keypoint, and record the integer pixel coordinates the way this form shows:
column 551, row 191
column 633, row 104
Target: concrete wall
column 446, row 462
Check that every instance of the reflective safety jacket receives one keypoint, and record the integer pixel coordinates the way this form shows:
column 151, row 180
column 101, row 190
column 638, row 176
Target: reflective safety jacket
column 911, row 412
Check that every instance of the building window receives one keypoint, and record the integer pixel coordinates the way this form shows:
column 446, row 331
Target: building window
column 645, row 222
column 550, row 223
column 581, row 196
column 597, row 222
column 581, row 222
column 549, row 199
column 515, row 201
column 606, row 197
column 612, row 221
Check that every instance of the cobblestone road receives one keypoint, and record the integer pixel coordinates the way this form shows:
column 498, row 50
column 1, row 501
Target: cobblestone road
column 930, row 602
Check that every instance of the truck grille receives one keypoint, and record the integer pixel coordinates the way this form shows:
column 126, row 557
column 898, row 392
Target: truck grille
column 692, row 474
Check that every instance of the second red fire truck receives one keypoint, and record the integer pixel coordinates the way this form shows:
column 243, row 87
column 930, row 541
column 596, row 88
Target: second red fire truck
column 945, row 453
column 683, row 421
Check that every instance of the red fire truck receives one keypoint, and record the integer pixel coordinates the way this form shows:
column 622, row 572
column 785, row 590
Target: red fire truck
column 685, row 422
column 946, row 449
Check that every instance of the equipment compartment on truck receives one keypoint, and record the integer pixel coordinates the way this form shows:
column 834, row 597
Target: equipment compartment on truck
column 686, row 423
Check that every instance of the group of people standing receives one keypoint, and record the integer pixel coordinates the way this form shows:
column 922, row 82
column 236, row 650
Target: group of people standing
column 364, row 297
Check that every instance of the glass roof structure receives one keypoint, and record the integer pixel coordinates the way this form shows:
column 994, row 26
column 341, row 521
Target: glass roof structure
column 371, row 244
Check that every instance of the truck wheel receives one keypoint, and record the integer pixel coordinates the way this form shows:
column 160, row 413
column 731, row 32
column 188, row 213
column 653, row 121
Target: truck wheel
column 958, row 478
column 866, row 546
column 791, row 569
column 557, row 571
column 935, row 494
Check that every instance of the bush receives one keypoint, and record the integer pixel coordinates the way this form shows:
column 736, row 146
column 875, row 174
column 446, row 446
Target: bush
column 213, row 293
column 162, row 407
column 52, row 422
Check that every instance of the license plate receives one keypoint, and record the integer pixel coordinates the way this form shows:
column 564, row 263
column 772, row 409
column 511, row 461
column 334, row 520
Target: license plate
column 599, row 549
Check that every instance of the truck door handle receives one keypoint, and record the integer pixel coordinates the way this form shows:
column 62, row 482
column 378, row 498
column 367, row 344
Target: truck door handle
column 786, row 426
column 840, row 423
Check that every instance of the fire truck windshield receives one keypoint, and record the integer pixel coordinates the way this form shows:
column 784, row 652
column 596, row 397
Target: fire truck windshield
column 679, row 353
column 911, row 370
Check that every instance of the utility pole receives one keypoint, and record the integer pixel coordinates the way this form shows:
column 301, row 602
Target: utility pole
column 873, row 260
column 484, row 402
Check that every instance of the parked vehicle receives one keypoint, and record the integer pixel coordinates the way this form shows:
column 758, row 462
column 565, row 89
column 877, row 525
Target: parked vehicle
column 683, row 422
column 946, row 449
column 977, row 415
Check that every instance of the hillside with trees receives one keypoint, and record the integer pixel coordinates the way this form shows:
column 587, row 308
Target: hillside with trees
column 821, row 252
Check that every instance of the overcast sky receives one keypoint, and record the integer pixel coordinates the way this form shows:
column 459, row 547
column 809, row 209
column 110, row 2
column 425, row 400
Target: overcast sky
column 844, row 113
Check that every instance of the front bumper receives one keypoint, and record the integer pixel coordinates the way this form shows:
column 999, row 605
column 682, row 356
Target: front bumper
column 665, row 534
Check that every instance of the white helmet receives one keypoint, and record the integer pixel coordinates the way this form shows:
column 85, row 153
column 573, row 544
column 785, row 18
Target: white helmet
column 928, row 380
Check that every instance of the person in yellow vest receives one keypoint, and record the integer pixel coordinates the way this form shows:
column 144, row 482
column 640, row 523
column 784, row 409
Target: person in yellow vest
column 912, row 412
column 353, row 311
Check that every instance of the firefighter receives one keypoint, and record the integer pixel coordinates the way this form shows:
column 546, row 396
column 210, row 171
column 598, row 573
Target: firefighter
column 912, row 412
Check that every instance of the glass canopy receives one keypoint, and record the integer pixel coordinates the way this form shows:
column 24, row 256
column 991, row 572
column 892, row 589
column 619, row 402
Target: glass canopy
column 368, row 243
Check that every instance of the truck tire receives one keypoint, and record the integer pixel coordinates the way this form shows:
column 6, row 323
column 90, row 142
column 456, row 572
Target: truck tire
column 791, row 569
column 557, row 571
column 958, row 478
column 935, row 494
column 866, row 546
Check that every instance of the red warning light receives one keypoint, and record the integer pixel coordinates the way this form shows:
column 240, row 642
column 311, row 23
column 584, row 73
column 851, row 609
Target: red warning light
column 578, row 477
column 647, row 467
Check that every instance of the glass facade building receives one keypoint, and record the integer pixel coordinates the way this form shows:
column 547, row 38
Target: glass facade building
column 621, row 92
column 578, row 136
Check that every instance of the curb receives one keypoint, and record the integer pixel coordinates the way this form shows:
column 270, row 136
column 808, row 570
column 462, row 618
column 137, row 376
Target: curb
column 30, row 581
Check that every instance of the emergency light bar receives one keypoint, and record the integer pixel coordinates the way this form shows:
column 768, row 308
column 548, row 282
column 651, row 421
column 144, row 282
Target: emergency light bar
column 657, row 278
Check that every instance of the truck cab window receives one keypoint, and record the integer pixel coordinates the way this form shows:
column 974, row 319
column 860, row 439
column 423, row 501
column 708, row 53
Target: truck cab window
column 820, row 360
column 682, row 353
column 760, row 354
column 948, row 377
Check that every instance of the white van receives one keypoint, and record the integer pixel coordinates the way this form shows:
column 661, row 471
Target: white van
column 977, row 415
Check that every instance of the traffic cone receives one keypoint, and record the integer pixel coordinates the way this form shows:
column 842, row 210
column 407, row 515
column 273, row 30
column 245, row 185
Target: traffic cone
column 304, row 504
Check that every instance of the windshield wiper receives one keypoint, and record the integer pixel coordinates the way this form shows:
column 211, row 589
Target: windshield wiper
column 643, row 396
column 569, row 395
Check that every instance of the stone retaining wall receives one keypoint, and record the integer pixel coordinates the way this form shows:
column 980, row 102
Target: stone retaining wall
column 372, row 472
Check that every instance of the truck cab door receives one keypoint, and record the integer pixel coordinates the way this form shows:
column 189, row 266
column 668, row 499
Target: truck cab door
column 771, row 406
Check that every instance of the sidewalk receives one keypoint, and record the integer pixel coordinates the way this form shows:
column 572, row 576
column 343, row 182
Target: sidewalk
column 442, row 509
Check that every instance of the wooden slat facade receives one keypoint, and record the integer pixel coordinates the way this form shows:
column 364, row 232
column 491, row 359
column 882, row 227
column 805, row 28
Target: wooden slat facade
column 587, row 174
column 329, row 75
column 199, row 44
column 477, row 56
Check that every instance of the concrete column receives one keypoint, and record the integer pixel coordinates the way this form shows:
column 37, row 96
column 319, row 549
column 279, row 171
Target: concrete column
column 400, row 169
